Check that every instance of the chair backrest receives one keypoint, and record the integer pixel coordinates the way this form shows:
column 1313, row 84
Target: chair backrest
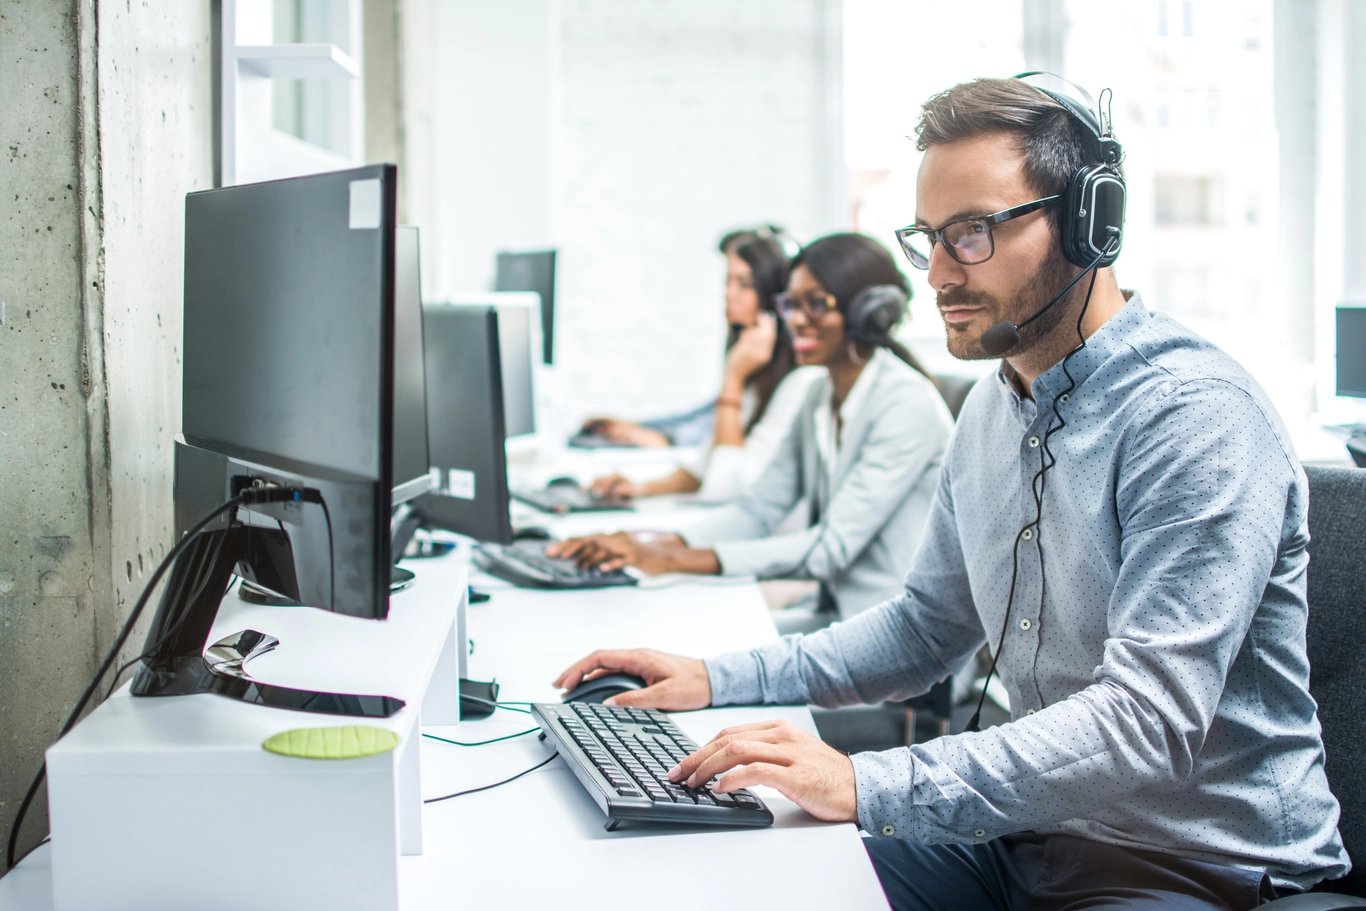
column 1337, row 645
column 954, row 388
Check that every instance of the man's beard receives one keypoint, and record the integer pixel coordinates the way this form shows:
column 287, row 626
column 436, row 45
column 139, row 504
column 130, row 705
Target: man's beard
column 1051, row 277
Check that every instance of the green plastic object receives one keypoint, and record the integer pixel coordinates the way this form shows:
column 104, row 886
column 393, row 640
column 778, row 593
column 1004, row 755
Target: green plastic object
column 351, row 741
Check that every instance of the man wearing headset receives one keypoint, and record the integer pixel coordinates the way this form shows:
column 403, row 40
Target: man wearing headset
column 1163, row 750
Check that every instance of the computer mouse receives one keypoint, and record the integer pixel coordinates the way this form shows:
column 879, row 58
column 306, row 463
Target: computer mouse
column 532, row 533
column 604, row 687
column 562, row 481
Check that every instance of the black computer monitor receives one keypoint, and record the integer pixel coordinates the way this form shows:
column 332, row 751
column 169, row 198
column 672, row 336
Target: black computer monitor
column 533, row 270
column 516, row 339
column 294, row 380
column 412, row 462
column 465, row 424
column 1351, row 351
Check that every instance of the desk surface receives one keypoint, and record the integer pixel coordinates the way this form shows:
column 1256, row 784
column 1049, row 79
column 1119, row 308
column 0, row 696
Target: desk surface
column 540, row 840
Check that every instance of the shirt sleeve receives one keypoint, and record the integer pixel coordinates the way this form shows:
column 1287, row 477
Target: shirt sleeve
column 1200, row 526
column 896, row 650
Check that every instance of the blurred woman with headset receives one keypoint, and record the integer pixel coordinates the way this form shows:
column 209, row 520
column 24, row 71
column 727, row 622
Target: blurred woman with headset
column 760, row 390
column 865, row 447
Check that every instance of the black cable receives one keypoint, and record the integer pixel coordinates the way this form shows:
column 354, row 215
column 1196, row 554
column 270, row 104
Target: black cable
column 466, row 697
column 182, row 619
column 496, row 784
column 480, row 743
column 1037, row 484
column 246, row 496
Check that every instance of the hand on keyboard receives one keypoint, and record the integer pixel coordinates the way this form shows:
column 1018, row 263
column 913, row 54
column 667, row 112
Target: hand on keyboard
column 612, row 552
column 673, row 682
column 805, row 769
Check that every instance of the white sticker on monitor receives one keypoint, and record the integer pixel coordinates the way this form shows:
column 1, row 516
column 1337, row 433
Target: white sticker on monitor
column 460, row 484
column 365, row 204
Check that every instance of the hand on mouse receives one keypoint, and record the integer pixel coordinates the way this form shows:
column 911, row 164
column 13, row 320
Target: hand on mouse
column 674, row 682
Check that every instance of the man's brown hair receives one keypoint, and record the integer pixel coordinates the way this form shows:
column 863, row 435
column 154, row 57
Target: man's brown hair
column 1051, row 139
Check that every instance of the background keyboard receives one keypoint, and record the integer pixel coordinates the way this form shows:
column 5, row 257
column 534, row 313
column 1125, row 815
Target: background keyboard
column 525, row 563
column 561, row 499
column 620, row 755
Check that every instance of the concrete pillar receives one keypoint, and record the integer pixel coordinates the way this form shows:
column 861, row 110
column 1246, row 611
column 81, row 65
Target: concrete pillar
column 107, row 123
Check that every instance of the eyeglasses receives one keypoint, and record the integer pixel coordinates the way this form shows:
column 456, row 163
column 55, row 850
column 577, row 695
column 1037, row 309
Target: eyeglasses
column 967, row 240
column 813, row 304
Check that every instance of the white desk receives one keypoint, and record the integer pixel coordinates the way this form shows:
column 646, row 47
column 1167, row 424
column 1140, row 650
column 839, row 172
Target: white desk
column 526, row 844
column 532, row 843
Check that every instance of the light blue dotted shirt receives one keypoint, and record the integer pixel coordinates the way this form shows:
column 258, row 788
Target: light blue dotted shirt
column 1158, row 683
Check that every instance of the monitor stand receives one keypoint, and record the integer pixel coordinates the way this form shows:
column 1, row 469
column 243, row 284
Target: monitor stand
column 177, row 663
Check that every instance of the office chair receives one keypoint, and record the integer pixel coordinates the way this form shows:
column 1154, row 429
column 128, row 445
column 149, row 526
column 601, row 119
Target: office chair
column 1337, row 628
column 954, row 388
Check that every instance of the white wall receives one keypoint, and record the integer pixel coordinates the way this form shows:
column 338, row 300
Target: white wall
column 631, row 136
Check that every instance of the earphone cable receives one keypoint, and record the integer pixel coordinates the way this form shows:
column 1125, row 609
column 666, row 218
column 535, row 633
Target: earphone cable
column 1037, row 485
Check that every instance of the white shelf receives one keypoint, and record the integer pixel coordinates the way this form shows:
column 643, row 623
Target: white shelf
column 297, row 61
column 169, row 796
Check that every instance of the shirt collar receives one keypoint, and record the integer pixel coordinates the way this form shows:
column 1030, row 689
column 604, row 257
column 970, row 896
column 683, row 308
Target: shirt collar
column 1100, row 346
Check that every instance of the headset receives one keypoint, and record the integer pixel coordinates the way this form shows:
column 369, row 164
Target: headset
column 1093, row 203
column 873, row 314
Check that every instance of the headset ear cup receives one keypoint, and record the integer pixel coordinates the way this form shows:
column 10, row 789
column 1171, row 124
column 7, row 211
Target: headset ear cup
column 1093, row 214
column 873, row 313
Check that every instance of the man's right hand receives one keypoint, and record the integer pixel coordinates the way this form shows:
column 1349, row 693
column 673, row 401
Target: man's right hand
column 674, row 682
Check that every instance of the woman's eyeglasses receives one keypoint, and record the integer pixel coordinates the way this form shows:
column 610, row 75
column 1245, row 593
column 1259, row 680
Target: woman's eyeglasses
column 813, row 305
column 967, row 240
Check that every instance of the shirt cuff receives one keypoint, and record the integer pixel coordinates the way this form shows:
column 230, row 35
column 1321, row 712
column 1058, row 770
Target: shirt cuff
column 734, row 679
column 882, row 783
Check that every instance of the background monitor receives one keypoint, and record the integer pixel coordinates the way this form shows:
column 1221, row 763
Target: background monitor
column 412, row 463
column 291, row 375
column 532, row 270
column 519, row 337
column 1351, row 351
column 465, row 424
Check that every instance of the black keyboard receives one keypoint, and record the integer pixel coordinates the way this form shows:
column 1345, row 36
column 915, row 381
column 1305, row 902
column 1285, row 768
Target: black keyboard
column 525, row 563
column 620, row 755
column 561, row 498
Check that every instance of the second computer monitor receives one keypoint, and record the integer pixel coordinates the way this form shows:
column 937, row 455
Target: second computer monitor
column 519, row 337
column 466, row 423
column 533, row 270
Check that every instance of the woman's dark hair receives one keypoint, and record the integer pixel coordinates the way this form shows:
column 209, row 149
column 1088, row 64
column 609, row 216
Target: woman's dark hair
column 768, row 270
column 846, row 264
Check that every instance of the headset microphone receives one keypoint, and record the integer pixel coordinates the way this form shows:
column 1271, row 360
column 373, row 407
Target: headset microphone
column 1005, row 335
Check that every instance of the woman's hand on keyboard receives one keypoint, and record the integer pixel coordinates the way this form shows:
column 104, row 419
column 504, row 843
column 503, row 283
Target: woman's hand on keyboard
column 806, row 770
column 658, row 554
column 672, row 682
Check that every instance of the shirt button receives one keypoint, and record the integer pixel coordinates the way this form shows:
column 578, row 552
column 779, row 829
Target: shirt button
column 1027, row 534
column 1033, row 442
column 1062, row 399
column 889, row 830
column 1026, row 623
column 1030, row 712
column 980, row 833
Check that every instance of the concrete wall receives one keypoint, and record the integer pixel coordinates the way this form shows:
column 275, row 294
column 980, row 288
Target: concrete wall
column 107, row 124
